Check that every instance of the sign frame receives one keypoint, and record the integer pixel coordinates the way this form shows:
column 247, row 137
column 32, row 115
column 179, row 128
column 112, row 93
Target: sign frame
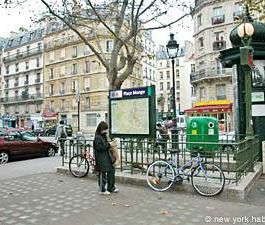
column 135, row 93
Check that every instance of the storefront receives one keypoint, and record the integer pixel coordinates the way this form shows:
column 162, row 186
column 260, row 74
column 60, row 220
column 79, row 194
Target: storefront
column 50, row 119
column 220, row 109
column 9, row 121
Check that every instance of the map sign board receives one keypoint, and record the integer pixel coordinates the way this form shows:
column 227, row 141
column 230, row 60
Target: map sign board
column 132, row 112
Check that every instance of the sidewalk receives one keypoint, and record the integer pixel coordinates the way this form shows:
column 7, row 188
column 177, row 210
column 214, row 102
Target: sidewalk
column 231, row 191
column 59, row 199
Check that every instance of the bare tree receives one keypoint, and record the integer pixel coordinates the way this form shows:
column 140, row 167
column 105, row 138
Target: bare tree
column 125, row 20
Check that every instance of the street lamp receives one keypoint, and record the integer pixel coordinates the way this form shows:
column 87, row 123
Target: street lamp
column 77, row 95
column 245, row 31
column 172, row 51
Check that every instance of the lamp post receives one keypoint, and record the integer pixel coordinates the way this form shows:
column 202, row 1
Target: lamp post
column 245, row 32
column 172, row 51
column 78, row 109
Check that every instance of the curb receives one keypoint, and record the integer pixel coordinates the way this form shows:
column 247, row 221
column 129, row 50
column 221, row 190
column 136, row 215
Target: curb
column 231, row 191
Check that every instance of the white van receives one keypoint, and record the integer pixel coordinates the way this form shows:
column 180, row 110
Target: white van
column 181, row 121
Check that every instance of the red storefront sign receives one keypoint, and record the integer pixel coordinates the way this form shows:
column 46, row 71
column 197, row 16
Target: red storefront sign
column 210, row 108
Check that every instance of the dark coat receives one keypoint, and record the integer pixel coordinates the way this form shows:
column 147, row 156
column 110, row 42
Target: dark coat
column 101, row 148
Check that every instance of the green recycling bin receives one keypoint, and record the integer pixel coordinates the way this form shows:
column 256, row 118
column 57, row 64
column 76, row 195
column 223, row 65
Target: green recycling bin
column 202, row 135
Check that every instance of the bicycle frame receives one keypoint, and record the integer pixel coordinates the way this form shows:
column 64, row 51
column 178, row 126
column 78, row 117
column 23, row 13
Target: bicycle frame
column 194, row 162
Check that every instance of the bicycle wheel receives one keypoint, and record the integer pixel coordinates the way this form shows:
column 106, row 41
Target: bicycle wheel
column 79, row 166
column 160, row 176
column 208, row 179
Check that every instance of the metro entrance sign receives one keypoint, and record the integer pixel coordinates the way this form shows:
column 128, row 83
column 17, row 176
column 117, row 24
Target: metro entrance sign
column 132, row 112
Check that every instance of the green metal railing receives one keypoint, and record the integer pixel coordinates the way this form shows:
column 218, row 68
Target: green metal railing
column 236, row 158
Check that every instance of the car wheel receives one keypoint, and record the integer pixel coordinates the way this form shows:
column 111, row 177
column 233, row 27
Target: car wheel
column 51, row 152
column 4, row 157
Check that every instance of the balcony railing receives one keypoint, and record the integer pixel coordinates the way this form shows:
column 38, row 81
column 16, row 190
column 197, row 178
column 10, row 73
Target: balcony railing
column 23, row 54
column 218, row 19
column 210, row 73
column 219, row 45
column 21, row 98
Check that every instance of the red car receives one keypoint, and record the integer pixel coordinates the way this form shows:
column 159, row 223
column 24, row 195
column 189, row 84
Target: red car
column 20, row 144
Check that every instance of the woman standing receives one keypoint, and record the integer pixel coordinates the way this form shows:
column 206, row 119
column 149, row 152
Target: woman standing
column 106, row 179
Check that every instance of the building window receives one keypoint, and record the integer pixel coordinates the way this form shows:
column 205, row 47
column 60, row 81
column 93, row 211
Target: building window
column 161, row 86
column 201, row 42
column 177, row 73
column 220, row 91
column 87, row 103
column 74, row 53
column 161, row 75
column 52, row 106
column 38, row 78
column 51, row 73
column 168, row 63
column 219, row 42
column 177, row 62
column 63, row 104
column 86, row 50
column 177, row 85
column 62, row 70
column 91, row 120
column 7, row 69
column 87, row 84
column 51, row 57
column 218, row 16
column 62, row 88
column 199, row 20
column 17, row 67
column 39, row 47
column 109, row 46
column 168, row 74
column 168, row 85
column 74, row 68
column 238, row 13
column 16, row 82
column 192, row 68
column 62, row 53
column 51, row 89
column 87, row 66
column 74, row 86
column 38, row 62
column 202, row 93
column 28, row 48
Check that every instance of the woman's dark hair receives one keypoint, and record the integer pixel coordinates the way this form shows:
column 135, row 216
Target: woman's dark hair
column 61, row 122
column 102, row 126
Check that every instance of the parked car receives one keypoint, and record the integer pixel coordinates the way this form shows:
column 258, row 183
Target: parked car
column 227, row 139
column 39, row 131
column 23, row 144
column 51, row 131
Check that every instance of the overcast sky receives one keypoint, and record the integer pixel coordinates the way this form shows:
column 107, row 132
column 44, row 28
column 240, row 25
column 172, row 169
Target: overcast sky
column 13, row 19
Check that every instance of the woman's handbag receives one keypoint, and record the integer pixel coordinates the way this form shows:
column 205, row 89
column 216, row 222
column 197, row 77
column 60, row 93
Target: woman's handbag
column 115, row 153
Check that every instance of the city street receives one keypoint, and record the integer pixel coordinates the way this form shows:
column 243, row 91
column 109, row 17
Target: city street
column 31, row 192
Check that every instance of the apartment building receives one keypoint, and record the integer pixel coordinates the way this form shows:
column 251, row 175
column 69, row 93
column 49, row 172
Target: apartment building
column 149, row 59
column 73, row 74
column 213, row 90
column 22, row 79
column 164, row 87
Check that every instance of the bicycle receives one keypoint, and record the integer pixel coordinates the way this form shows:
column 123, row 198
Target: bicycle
column 206, row 178
column 80, row 164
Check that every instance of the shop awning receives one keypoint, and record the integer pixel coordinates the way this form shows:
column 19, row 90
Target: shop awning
column 210, row 108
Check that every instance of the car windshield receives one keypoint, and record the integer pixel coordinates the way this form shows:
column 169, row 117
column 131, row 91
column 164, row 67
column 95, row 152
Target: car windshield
column 28, row 136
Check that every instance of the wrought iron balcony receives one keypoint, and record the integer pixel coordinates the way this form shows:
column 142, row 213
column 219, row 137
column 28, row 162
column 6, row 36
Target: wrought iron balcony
column 22, row 98
column 237, row 15
column 218, row 19
column 22, row 55
column 209, row 73
column 219, row 45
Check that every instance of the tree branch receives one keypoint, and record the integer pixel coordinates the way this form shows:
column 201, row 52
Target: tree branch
column 77, row 32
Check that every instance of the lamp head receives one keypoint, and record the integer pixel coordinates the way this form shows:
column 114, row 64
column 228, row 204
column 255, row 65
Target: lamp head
column 172, row 47
column 245, row 30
